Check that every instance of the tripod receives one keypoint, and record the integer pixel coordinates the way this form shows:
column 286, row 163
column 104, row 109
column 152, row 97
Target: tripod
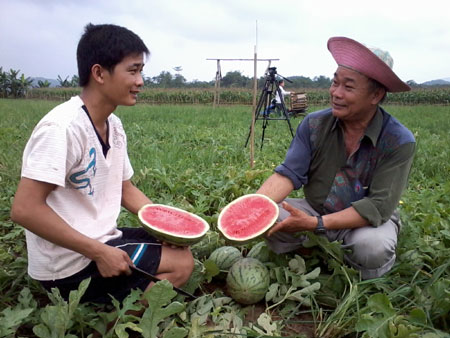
column 266, row 104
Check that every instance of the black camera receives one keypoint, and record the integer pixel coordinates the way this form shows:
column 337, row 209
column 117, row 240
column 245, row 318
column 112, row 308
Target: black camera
column 272, row 72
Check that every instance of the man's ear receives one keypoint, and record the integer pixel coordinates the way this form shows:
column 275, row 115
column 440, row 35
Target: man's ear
column 97, row 73
column 378, row 95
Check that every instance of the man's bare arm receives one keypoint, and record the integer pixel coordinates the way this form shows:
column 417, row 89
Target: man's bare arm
column 133, row 198
column 277, row 187
column 31, row 210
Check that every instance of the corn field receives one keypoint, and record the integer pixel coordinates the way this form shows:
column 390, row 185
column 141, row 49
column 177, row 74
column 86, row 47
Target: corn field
column 244, row 96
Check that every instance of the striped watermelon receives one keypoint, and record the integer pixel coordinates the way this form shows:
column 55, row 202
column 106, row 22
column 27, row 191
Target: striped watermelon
column 224, row 257
column 247, row 218
column 172, row 225
column 248, row 281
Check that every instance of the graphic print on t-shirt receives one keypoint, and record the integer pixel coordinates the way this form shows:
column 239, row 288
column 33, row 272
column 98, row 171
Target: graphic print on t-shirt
column 82, row 179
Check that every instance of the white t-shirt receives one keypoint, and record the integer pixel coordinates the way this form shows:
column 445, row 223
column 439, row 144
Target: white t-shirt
column 64, row 150
column 283, row 94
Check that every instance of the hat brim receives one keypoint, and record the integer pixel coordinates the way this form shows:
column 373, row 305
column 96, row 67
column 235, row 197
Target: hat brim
column 350, row 53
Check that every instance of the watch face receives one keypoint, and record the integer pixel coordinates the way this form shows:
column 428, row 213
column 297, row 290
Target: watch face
column 320, row 230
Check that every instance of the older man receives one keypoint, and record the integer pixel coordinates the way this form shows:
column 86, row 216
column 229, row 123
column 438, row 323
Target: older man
column 352, row 160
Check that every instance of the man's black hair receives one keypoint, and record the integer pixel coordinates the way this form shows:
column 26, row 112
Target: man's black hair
column 106, row 45
column 374, row 85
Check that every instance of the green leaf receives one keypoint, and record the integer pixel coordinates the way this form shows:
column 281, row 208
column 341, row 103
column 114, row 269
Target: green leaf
column 159, row 295
column 26, row 299
column 380, row 303
column 265, row 321
column 297, row 265
column 272, row 292
column 75, row 296
column 418, row 316
column 121, row 332
column 303, row 295
column 176, row 332
column 12, row 318
column 41, row 331
column 377, row 323
column 211, row 269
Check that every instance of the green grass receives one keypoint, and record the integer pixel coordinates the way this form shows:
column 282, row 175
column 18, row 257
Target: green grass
column 194, row 157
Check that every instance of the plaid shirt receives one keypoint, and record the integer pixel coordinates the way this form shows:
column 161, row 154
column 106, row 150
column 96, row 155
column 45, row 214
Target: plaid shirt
column 371, row 180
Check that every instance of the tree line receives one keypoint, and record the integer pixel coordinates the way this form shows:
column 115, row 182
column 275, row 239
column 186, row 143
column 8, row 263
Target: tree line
column 13, row 84
column 232, row 79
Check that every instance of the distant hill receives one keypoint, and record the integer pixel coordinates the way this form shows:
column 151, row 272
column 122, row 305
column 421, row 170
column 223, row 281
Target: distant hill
column 439, row 82
column 53, row 82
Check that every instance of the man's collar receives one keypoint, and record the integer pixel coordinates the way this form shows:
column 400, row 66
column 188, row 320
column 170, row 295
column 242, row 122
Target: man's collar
column 373, row 130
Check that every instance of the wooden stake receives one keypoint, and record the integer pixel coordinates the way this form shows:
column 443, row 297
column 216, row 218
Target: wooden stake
column 252, row 127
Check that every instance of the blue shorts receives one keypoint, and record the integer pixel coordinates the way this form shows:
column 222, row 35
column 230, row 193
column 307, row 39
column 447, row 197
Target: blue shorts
column 145, row 252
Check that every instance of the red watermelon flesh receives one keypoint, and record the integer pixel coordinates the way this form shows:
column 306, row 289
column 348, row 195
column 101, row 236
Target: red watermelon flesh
column 247, row 217
column 172, row 224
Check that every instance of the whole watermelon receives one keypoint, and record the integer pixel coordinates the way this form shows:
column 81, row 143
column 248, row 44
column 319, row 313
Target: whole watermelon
column 224, row 257
column 248, row 281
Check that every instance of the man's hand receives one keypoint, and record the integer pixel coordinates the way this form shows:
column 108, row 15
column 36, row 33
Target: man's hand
column 297, row 221
column 113, row 262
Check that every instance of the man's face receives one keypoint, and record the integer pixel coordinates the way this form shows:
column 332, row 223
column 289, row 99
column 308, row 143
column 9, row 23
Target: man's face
column 351, row 96
column 124, row 82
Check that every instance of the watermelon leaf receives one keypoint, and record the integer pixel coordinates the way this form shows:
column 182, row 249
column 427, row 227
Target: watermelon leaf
column 377, row 323
column 159, row 307
column 212, row 270
column 176, row 332
column 265, row 321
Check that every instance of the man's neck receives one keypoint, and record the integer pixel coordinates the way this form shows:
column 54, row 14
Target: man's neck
column 99, row 109
column 359, row 126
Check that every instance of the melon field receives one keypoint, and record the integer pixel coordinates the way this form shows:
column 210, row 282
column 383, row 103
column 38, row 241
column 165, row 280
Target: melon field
column 193, row 157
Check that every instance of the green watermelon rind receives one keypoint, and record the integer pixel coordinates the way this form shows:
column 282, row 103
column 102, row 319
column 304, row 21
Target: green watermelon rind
column 248, row 281
column 225, row 256
column 241, row 241
column 168, row 237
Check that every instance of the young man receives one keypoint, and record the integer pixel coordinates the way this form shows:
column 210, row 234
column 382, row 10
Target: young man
column 76, row 175
column 352, row 160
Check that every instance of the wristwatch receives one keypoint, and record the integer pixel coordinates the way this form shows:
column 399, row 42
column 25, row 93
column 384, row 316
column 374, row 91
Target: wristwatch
column 320, row 229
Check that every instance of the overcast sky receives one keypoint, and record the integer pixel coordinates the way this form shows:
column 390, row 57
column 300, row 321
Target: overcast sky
column 39, row 37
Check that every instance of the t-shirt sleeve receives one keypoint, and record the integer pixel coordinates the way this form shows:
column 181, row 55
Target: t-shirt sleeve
column 128, row 171
column 389, row 181
column 45, row 154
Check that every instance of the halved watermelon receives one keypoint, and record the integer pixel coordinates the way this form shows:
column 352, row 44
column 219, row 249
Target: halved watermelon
column 247, row 217
column 172, row 225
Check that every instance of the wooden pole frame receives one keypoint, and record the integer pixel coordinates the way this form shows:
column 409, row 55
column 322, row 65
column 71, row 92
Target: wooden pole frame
column 219, row 75
column 255, row 85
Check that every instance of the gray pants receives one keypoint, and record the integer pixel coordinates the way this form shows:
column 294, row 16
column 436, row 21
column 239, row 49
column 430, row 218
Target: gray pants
column 372, row 249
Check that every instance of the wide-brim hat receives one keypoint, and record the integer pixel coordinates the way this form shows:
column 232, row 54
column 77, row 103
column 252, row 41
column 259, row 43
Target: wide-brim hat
column 373, row 63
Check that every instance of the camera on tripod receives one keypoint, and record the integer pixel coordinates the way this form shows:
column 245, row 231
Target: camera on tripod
column 272, row 71
column 271, row 102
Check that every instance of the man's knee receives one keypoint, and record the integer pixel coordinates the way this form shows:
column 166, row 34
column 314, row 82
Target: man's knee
column 374, row 251
column 184, row 265
column 178, row 263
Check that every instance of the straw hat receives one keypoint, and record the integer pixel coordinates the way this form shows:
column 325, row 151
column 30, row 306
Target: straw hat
column 372, row 62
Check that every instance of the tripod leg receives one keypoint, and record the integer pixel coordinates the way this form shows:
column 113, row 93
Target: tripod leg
column 286, row 116
column 265, row 122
